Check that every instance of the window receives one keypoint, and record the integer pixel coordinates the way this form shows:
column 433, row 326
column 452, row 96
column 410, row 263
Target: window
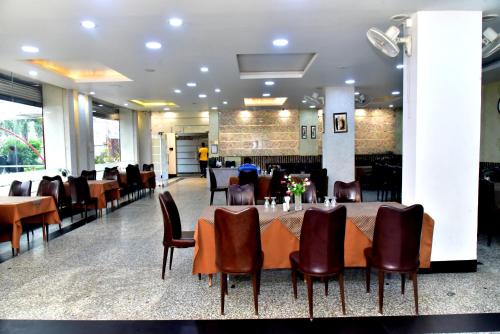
column 21, row 137
column 106, row 139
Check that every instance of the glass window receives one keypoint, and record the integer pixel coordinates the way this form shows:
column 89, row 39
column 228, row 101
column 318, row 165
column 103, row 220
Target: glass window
column 21, row 138
column 106, row 140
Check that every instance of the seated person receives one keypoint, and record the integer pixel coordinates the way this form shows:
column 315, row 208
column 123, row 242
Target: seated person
column 248, row 166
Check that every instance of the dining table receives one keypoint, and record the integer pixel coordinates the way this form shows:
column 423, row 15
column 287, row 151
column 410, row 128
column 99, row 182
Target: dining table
column 280, row 235
column 145, row 177
column 103, row 190
column 19, row 210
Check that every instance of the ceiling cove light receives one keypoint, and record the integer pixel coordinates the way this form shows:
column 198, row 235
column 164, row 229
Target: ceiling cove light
column 312, row 107
column 87, row 24
column 214, row 108
column 33, row 73
column 350, row 81
column 400, row 66
column 269, row 83
column 280, row 42
column 30, row 49
column 202, row 96
column 217, row 90
column 177, row 91
column 204, row 69
column 266, row 94
column 153, row 45
column 175, row 22
column 396, row 92
column 191, row 84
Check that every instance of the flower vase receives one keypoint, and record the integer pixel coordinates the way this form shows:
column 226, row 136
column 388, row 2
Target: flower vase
column 298, row 202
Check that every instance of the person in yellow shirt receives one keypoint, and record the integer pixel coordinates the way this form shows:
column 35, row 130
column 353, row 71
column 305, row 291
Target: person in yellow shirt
column 203, row 158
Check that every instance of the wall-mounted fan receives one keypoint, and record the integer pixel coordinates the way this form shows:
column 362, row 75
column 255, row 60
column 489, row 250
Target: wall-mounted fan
column 388, row 41
column 315, row 99
column 491, row 42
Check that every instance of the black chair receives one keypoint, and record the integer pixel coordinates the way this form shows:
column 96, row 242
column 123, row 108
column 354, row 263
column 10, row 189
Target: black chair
column 63, row 201
column 89, row 174
column 278, row 187
column 80, row 196
column 488, row 214
column 320, row 179
column 18, row 188
column 249, row 177
column 148, row 167
column 214, row 187
column 134, row 183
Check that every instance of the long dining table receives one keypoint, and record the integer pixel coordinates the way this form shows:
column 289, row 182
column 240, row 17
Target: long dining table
column 280, row 234
column 99, row 189
column 145, row 176
column 16, row 210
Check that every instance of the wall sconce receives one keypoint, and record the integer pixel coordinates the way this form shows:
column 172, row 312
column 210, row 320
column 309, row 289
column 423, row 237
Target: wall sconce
column 284, row 113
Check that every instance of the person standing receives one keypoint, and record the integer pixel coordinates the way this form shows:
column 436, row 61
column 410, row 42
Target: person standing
column 203, row 158
column 12, row 159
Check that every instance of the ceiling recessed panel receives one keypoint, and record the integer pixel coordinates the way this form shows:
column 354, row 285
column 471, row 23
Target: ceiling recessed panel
column 282, row 65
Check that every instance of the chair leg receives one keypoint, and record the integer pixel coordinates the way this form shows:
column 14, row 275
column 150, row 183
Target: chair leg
column 223, row 287
column 368, row 273
column 255, row 286
column 415, row 291
column 226, row 194
column 199, row 277
column 326, row 286
column 211, row 197
column 171, row 256
column 13, row 253
column 342, row 294
column 165, row 256
column 403, row 281
column 28, row 236
column 294, row 281
column 380, row 291
column 258, row 282
column 310, row 295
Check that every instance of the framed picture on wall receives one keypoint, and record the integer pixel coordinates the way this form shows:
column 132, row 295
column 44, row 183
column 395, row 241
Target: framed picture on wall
column 304, row 131
column 313, row 131
column 214, row 149
column 340, row 122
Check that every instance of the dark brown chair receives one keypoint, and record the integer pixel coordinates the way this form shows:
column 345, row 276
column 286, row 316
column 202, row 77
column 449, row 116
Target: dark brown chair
column 148, row 167
column 62, row 200
column 214, row 187
column 241, row 195
column 172, row 230
column 396, row 246
column 134, row 183
column 309, row 196
column 488, row 214
column 278, row 185
column 347, row 192
column 110, row 173
column 49, row 188
column 249, row 177
column 80, row 196
column 321, row 250
column 89, row 174
column 320, row 179
column 152, row 179
column 18, row 188
column 238, row 249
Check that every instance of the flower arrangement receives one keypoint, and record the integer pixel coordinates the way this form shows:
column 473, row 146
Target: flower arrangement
column 295, row 185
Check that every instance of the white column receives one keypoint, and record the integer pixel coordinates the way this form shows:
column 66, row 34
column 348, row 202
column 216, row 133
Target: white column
column 128, row 136
column 338, row 148
column 144, row 137
column 441, row 127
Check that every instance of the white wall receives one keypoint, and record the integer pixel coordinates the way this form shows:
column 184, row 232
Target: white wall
column 441, row 127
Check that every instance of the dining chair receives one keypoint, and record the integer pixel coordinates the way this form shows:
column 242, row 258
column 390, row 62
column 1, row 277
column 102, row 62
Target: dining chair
column 396, row 247
column 277, row 185
column 80, row 196
column 134, row 183
column 321, row 250
column 49, row 188
column 241, row 195
column 249, row 177
column 347, row 192
column 238, row 248
column 6, row 235
column 18, row 188
column 63, row 201
column 309, row 196
column 89, row 174
column 214, row 187
column 488, row 215
column 148, row 167
column 320, row 179
column 152, row 179
column 173, row 237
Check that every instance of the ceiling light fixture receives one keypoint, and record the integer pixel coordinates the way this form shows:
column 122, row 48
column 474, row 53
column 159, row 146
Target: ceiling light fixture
column 391, row 105
column 214, row 108
column 191, row 84
column 217, row 90
column 153, row 45
column 166, row 108
column 350, row 81
column 87, row 24
column 33, row 73
column 92, row 93
column 30, row 49
column 224, row 102
column 356, row 93
column 280, row 42
column 400, row 66
column 304, row 101
column 264, row 102
column 125, row 104
column 284, row 113
column 312, row 107
column 266, row 94
column 177, row 91
column 175, row 22
column 396, row 92
column 100, row 105
column 202, row 96
column 269, row 83
column 204, row 69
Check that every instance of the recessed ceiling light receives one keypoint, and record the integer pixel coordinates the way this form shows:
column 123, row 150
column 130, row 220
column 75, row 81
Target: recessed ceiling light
column 224, row 102
column 92, row 93
column 153, row 45
column 399, row 66
column 280, row 42
column 264, row 102
column 391, row 105
column 396, row 92
column 125, row 104
column 312, row 107
column 87, row 24
column 269, row 83
column 101, row 105
column 177, row 91
column 202, row 96
column 350, row 81
column 33, row 73
column 214, row 108
column 356, row 93
column 304, row 101
column 166, row 108
column 266, row 94
column 30, row 49
column 175, row 22
column 217, row 90
column 191, row 84
column 204, row 69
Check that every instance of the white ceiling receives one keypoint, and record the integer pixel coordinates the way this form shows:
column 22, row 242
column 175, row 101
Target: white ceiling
column 214, row 32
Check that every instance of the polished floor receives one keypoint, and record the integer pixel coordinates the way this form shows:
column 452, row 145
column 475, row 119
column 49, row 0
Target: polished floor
column 110, row 269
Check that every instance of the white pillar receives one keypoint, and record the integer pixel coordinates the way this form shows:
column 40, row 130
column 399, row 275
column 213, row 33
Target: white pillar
column 338, row 148
column 128, row 136
column 441, row 127
column 144, row 137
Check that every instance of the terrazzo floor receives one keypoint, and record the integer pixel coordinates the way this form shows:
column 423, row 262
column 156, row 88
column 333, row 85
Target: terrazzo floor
column 111, row 268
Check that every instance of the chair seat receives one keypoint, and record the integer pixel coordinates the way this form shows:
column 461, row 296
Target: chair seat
column 294, row 258
column 368, row 256
column 93, row 202
column 182, row 243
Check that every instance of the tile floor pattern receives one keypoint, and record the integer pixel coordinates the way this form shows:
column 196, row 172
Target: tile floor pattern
column 110, row 269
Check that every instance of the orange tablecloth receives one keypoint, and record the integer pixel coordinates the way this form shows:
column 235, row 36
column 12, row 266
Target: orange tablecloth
column 263, row 185
column 145, row 176
column 14, row 209
column 98, row 189
column 280, row 236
